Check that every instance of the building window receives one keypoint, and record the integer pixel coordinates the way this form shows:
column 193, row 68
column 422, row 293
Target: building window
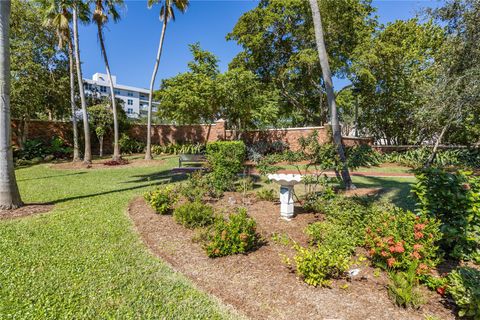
column 130, row 102
column 129, row 111
column 116, row 91
column 103, row 89
column 130, row 94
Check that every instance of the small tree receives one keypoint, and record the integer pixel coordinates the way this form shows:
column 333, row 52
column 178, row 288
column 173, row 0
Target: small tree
column 101, row 120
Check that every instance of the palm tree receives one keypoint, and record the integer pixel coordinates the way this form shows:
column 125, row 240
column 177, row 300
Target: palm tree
column 166, row 13
column 104, row 9
column 327, row 78
column 9, row 194
column 58, row 16
column 80, row 9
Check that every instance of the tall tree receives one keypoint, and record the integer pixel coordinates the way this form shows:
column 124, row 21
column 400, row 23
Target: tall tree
column 453, row 100
column 279, row 47
column 389, row 68
column 327, row 78
column 58, row 16
column 39, row 71
column 79, row 7
column 103, row 10
column 166, row 13
column 9, row 194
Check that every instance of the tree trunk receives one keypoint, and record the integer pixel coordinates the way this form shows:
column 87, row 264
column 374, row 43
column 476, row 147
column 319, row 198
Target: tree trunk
column 9, row 194
column 86, row 130
column 148, row 151
column 116, row 146
column 100, row 140
column 327, row 78
column 76, row 151
column 435, row 147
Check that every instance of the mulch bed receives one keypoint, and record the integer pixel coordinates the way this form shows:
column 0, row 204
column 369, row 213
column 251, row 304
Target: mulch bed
column 259, row 284
column 104, row 164
column 26, row 210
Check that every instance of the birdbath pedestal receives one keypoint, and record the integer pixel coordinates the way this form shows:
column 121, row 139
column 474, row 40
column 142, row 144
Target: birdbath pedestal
column 286, row 182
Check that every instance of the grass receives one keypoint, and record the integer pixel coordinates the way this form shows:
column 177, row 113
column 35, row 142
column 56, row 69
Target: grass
column 83, row 259
column 395, row 189
column 388, row 168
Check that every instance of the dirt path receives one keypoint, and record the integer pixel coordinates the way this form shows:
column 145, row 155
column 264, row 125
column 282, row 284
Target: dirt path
column 258, row 284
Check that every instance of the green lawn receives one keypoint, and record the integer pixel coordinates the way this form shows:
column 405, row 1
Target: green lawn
column 84, row 260
column 375, row 169
column 395, row 189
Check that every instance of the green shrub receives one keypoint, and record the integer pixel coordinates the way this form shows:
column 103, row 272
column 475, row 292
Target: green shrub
column 416, row 158
column 350, row 214
column 38, row 150
column 175, row 148
column 232, row 236
column 129, row 145
column 194, row 214
column 326, row 233
column 318, row 265
column 225, row 159
column 362, row 156
column 464, row 287
column 195, row 188
column 266, row 195
column 454, row 199
column 397, row 238
column 162, row 199
column 245, row 184
column 404, row 288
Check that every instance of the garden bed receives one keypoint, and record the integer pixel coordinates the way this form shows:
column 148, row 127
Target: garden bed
column 259, row 284
column 26, row 210
column 100, row 164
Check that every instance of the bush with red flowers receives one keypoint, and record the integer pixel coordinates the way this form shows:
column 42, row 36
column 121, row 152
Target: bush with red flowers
column 395, row 238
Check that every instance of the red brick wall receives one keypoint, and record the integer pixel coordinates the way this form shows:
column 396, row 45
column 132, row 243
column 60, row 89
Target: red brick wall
column 288, row 135
column 43, row 130
column 165, row 134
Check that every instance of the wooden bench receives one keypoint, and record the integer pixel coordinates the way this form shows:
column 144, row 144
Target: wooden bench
column 191, row 158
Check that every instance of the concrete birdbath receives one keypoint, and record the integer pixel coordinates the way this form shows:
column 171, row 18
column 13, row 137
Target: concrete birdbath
column 286, row 182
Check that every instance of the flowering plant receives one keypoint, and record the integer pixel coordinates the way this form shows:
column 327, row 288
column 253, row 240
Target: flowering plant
column 398, row 238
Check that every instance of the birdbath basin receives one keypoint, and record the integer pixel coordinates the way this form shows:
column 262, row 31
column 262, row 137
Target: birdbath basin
column 286, row 182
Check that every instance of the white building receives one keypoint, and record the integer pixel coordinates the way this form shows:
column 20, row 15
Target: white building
column 135, row 99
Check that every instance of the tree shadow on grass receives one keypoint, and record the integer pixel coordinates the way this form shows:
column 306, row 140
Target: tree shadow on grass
column 159, row 176
column 153, row 180
column 394, row 189
column 52, row 176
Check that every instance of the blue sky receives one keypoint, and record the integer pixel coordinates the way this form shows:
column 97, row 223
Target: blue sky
column 132, row 42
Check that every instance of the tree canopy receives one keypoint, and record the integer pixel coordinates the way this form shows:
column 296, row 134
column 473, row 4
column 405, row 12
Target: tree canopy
column 279, row 47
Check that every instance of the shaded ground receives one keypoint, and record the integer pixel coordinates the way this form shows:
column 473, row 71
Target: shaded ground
column 26, row 210
column 259, row 284
column 133, row 162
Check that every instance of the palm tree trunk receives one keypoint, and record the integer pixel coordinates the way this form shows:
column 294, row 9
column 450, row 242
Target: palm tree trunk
column 100, row 141
column 9, row 194
column 148, row 151
column 116, row 146
column 76, row 151
column 327, row 78
column 86, row 130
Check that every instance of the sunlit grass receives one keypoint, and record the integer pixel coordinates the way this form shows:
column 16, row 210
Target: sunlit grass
column 84, row 260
